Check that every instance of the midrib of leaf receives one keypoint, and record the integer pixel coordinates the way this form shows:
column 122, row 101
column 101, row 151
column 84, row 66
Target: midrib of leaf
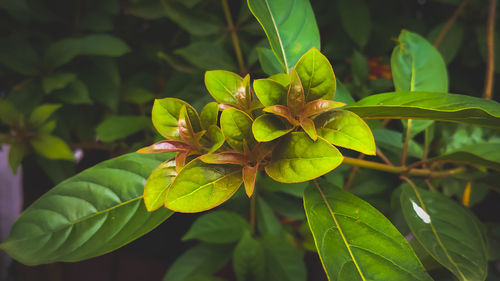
column 87, row 217
column 340, row 231
column 434, row 231
column 279, row 36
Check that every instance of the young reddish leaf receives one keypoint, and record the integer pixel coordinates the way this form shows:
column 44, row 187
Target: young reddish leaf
column 249, row 176
column 180, row 160
column 227, row 157
column 319, row 106
column 166, row 146
column 308, row 125
column 165, row 116
column 295, row 97
column 282, row 111
column 185, row 128
column 244, row 95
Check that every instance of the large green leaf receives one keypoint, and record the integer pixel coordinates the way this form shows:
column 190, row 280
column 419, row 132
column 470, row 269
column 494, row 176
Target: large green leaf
column 452, row 41
column 355, row 241
column 317, row 77
column 346, row 129
column 448, row 231
column 201, row 186
column 484, row 154
column 157, row 184
column 268, row 127
column 63, row 51
column 290, row 27
column 165, row 117
column 268, row 61
column 90, row 214
column 224, row 86
column 118, row 127
column 297, row 158
column 249, row 259
column 417, row 66
column 429, row 106
column 218, row 227
column 355, row 18
column 236, row 126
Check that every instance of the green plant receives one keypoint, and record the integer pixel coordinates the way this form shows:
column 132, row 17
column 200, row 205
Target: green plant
column 274, row 134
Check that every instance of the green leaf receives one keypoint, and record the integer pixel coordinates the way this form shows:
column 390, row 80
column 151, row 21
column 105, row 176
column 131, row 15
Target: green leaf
column 63, row 51
column 51, row 147
column 393, row 141
column 355, row 18
column 209, row 115
column 188, row 20
column 484, row 154
column 41, row 113
column 18, row 55
column 215, row 138
column 297, row 158
column 268, row 61
column 93, row 213
column 345, row 229
column 359, row 67
column 282, row 78
column 267, row 222
column 102, row 78
column 57, row 81
column 482, row 45
column 203, row 259
column 448, row 231
column 224, row 86
column 316, row 74
column 8, row 113
column 17, row 152
column 157, row 184
column 138, row 96
column 218, row 227
column 346, row 129
column 75, row 93
column 452, row 41
column 249, row 259
column 268, row 127
column 284, row 262
column 270, row 92
column 429, row 106
column 200, row 186
column 165, row 117
column 119, row 127
column 417, row 66
column 236, row 126
column 290, row 27
column 343, row 95
column 207, row 55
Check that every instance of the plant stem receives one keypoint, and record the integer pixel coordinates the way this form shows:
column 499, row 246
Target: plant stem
column 450, row 23
column 383, row 157
column 252, row 212
column 352, row 175
column 490, row 42
column 401, row 170
column 234, row 36
column 405, row 144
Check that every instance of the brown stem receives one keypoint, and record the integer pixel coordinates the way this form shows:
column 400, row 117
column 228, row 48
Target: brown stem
column 490, row 43
column 450, row 23
column 383, row 157
column 234, row 36
column 352, row 175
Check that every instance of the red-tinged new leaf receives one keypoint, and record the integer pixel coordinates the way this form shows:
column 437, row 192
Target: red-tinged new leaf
column 244, row 95
column 166, row 146
column 308, row 125
column 185, row 128
column 282, row 111
column 249, row 176
column 228, row 157
column 295, row 97
column 316, row 107
column 180, row 160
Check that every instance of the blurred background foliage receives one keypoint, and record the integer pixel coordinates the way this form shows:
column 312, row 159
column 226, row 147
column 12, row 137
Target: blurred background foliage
column 77, row 79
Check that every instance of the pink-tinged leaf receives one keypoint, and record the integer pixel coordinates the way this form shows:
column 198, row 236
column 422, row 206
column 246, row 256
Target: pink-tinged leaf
column 185, row 128
column 295, row 97
column 282, row 111
column 308, row 125
column 316, row 107
column 228, row 157
column 244, row 95
column 180, row 160
column 249, row 176
column 166, row 146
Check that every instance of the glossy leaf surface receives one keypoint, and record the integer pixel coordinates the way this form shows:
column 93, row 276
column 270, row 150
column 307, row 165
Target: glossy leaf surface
column 268, row 127
column 157, row 184
column 90, row 214
column 345, row 229
column 218, row 227
column 346, row 129
column 290, row 27
column 270, row 92
column 297, row 158
column 224, row 86
column 166, row 117
column 236, row 126
column 316, row 75
column 448, row 231
column 430, row 106
column 201, row 186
